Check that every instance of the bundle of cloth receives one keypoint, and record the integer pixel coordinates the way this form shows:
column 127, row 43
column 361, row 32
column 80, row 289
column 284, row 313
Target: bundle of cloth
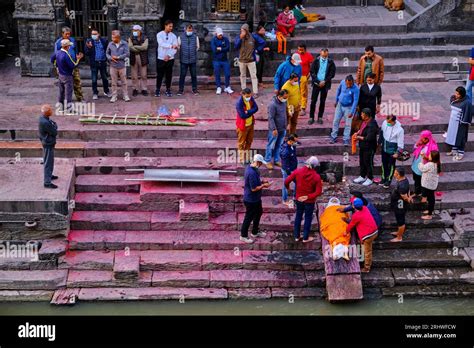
column 333, row 226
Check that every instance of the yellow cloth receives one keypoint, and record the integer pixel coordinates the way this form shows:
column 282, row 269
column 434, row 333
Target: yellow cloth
column 311, row 17
column 304, row 91
column 333, row 227
column 294, row 94
column 248, row 121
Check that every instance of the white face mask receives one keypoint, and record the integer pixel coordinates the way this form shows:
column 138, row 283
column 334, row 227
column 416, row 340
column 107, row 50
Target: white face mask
column 247, row 99
column 295, row 83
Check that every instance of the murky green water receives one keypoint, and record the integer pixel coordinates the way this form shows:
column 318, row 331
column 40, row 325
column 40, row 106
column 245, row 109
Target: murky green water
column 389, row 306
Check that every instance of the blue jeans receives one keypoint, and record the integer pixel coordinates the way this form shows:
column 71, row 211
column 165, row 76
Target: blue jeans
column 182, row 75
column 469, row 85
column 308, row 210
column 284, row 191
column 218, row 66
column 95, row 69
column 274, row 145
column 342, row 112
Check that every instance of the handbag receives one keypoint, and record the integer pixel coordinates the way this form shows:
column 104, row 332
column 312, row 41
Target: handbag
column 403, row 156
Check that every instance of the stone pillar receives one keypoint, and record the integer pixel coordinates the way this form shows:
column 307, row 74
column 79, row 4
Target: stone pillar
column 112, row 15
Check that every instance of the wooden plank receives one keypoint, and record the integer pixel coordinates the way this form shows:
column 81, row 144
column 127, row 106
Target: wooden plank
column 344, row 287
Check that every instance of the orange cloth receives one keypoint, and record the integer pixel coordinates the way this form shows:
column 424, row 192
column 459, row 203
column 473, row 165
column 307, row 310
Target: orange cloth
column 281, row 42
column 333, row 227
column 354, row 143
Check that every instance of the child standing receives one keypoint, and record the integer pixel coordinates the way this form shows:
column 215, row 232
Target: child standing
column 429, row 181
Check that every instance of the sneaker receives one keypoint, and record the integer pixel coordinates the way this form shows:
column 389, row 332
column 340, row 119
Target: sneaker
column 169, row 94
column 458, row 157
column 246, row 240
column 346, row 142
column 451, row 153
column 219, row 91
column 311, row 121
column 126, row 98
column 228, row 90
column 113, row 99
column 95, row 97
column 367, row 182
column 320, row 121
column 51, row 186
column 108, row 94
column 332, row 141
column 359, row 180
column 196, row 92
column 179, row 94
column 157, row 94
column 303, row 112
column 145, row 93
column 386, row 185
column 259, row 235
column 134, row 93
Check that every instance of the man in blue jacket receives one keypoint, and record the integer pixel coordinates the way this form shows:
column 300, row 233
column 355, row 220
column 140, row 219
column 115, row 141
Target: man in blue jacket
column 95, row 50
column 65, row 64
column 284, row 71
column 220, row 46
column 347, row 98
column 289, row 162
column 48, row 131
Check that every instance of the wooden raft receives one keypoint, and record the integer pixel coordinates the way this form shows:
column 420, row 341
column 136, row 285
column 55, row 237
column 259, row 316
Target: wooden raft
column 343, row 281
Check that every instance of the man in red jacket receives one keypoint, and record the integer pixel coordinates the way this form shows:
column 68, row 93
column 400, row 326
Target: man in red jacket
column 366, row 227
column 308, row 188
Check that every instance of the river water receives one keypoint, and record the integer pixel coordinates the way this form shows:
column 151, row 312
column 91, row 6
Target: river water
column 385, row 306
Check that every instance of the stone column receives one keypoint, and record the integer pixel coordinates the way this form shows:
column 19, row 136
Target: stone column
column 112, row 15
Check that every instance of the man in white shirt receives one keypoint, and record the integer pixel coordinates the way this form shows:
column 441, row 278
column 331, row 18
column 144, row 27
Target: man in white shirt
column 167, row 48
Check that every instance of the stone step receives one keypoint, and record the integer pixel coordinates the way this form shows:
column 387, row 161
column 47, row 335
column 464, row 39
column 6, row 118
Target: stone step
column 103, row 278
column 433, row 276
column 257, row 279
column 193, row 211
column 33, row 280
column 418, row 258
column 425, row 291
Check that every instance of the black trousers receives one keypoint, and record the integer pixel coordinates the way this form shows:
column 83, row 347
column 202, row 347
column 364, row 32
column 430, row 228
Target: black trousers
column 322, row 101
column 164, row 69
column 253, row 213
column 388, row 166
column 417, row 180
column 366, row 163
column 260, row 65
column 430, row 195
column 48, row 163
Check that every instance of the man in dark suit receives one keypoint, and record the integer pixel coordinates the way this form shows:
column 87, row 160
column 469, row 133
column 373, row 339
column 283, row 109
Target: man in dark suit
column 370, row 97
column 48, row 131
column 322, row 72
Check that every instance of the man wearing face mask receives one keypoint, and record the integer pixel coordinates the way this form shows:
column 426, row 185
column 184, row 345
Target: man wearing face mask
column 188, row 44
column 370, row 62
column 392, row 141
column 246, row 109
column 48, row 131
column 294, row 101
column 253, row 186
column 138, row 44
column 284, row 71
column 95, row 50
column 277, row 123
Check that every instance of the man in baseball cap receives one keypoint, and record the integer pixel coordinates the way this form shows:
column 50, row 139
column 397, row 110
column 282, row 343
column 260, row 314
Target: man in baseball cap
column 253, row 199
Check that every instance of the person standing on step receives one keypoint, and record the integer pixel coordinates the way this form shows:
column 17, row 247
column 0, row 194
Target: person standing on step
column 429, row 182
column 117, row 53
column 392, row 142
column 48, row 131
column 73, row 52
column 306, row 61
column 248, row 44
column 347, row 97
column 289, row 163
column 459, row 122
column 188, row 44
column 138, row 44
column 291, row 65
column 66, row 64
column 470, row 76
column 220, row 47
column 167, row 47
column 367, row 137
column 262, row 54
column 399, row 201
column 253, row 186
column 423, row 148
column 322, row 72
column 370, row 62
column 245, row 120
column 294, row 102
column 370, row 96
column 277, row 123
column 363, row 222
column 95, row 50
column 308, row 188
